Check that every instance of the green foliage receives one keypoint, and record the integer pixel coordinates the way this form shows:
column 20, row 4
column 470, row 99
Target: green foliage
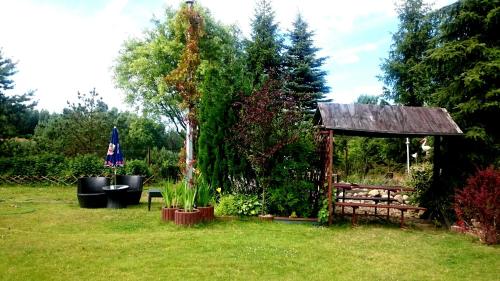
column 164, row 163
column 430, row 193
column 34, row 165
column 18, row 147
column 323, row 213
column 84, row 126
column 265, row 46
column 224, row 77
column 293, row 196
column 17, row 116
column 305, row 79
column 291, row 189
column 203, row 190
column 421, row 180
column 465, row 66
column 144, row 62
column 7, row 69
column 137, row 167
column 227, row 206
column 86, row 165
column 143, row 133
column 238, row 205
column 188, row 196
column 171, row 194
column 248, row 205
column 450, row 58
column 405, row 82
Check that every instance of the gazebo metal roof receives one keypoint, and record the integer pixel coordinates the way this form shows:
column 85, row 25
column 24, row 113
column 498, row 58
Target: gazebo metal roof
column 385, row 120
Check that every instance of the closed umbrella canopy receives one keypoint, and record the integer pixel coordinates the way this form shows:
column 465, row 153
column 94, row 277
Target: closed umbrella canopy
column 114, row 157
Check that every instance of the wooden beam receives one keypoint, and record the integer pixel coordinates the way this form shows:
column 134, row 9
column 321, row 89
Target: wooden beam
column 437, row 160
column 330, row 175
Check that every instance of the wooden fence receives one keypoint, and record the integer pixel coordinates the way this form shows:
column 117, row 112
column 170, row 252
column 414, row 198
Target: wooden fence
column 50, row 180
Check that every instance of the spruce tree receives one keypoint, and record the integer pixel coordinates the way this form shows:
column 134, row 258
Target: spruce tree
column 465, row 66
column 305, row 79
column 405, row 82
column 265, row 47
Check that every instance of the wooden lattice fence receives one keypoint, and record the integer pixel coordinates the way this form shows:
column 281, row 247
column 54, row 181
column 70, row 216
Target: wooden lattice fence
column 49, row 180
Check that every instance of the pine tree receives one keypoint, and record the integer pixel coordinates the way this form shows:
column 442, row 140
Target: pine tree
column 7, row 69
column 17, row 114
column 265, row 47
column 306, row 80
column 405, row 82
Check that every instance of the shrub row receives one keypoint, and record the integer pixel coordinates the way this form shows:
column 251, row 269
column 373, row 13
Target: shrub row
column 58, row 165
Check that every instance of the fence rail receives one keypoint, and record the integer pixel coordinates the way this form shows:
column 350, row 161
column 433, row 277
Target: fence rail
column 54, row 180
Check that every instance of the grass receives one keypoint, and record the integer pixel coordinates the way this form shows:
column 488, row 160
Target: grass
column 44, row 235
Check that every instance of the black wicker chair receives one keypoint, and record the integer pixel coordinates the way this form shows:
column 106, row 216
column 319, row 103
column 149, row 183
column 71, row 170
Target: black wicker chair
column 134, row 192
column 90, row 193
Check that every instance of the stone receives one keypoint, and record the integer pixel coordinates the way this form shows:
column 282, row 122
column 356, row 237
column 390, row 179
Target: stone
column 399, row 198
column 405, row 197
column 374, row 193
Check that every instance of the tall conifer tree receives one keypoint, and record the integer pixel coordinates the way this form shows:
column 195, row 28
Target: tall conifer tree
column 405, row 82
column 306, row 80
column 265, row 47
column 465, row 68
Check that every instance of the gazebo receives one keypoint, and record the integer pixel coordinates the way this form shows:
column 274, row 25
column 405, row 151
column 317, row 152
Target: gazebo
column 380, row 121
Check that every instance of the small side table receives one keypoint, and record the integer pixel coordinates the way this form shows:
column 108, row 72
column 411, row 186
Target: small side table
column 116, row 196
column 153, row 193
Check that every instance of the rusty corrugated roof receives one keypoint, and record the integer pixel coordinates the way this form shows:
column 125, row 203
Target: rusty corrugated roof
column 382, row 120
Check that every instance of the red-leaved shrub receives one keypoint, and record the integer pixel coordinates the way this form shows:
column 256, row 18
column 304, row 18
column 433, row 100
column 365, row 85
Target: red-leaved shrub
column 479, row 201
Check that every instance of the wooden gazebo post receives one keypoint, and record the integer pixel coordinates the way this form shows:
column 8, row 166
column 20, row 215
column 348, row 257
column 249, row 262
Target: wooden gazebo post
column 329, row 176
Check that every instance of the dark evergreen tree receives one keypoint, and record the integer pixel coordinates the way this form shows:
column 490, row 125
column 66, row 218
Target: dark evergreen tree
column 224, row 79
column 465, row 71
column 405, row 82
column 306, row 80
column 7, row 69
column 265, row 47
column 17, row 114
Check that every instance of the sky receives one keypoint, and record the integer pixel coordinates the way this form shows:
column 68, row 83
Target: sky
column 66, row 46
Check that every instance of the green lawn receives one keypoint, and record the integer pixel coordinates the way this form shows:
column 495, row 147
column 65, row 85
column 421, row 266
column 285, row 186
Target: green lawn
column 44, row 235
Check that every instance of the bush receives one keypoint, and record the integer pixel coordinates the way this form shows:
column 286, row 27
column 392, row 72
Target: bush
column 34, row 165
column 480, row 201
column 86, row 165
column 238, row 205
column 18, row 147
column 227, row 206
column 137, row 167
column 50, row 165
column 292, row 196
column 164, row 164
column 323, row 213
column 421, row 180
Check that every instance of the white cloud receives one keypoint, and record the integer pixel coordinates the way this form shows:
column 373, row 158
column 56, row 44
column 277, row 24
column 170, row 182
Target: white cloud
column 351, row 55
column 61, row 51
column 64, row 49
column 350, row 95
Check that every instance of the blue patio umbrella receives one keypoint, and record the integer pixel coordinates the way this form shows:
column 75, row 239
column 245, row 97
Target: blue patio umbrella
column 114, row 157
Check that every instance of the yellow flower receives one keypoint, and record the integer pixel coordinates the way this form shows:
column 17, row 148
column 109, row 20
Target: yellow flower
column 219, row 189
